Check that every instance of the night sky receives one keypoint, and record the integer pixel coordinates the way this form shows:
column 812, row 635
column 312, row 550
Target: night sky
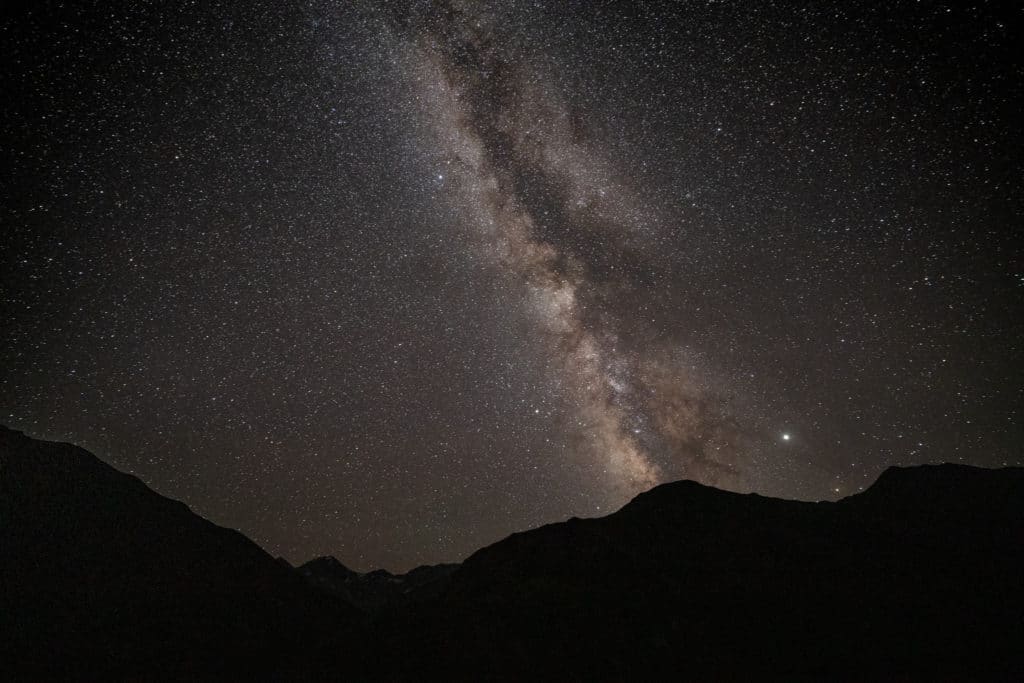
column 390, row 281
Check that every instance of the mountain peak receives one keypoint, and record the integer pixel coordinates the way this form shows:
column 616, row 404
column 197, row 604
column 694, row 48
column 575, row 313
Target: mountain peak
column 102, row 574
column 327, row 563
column 922, row 483
column 685, row 581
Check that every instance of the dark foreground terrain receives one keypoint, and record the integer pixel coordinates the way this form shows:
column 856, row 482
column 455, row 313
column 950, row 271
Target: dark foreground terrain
column 921, row 577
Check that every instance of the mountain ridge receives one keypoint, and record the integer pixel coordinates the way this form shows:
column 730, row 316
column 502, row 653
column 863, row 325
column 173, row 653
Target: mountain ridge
column 102, row 577
column 917, row 577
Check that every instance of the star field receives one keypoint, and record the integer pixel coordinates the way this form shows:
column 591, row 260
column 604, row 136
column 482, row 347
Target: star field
column 390, row 281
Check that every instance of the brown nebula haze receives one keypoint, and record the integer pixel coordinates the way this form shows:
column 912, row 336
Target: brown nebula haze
column 518, row 157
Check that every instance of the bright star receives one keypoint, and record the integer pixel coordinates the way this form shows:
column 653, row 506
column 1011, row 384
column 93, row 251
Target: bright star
column 785, row 437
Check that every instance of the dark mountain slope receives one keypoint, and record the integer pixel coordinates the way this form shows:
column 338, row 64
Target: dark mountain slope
column 919, row 578
column 101, row 579
column 380, row 590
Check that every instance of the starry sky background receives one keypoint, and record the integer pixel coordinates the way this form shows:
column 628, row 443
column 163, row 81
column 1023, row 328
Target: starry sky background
column 390, row 281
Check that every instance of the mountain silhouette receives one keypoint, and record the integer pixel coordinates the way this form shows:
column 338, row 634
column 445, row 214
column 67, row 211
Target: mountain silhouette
column 918, row 578
column 104, row 579
column 921, row 577
column 380, row 590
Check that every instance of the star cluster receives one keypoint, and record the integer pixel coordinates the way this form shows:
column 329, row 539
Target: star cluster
column 392, row 280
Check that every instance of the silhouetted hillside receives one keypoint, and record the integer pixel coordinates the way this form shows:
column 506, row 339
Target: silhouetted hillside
column 379, row 590
column 918, row 578
column 103, row 579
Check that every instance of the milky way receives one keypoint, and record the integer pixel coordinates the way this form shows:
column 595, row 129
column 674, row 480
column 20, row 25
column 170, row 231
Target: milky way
column 393, row 280
column 640, row 417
